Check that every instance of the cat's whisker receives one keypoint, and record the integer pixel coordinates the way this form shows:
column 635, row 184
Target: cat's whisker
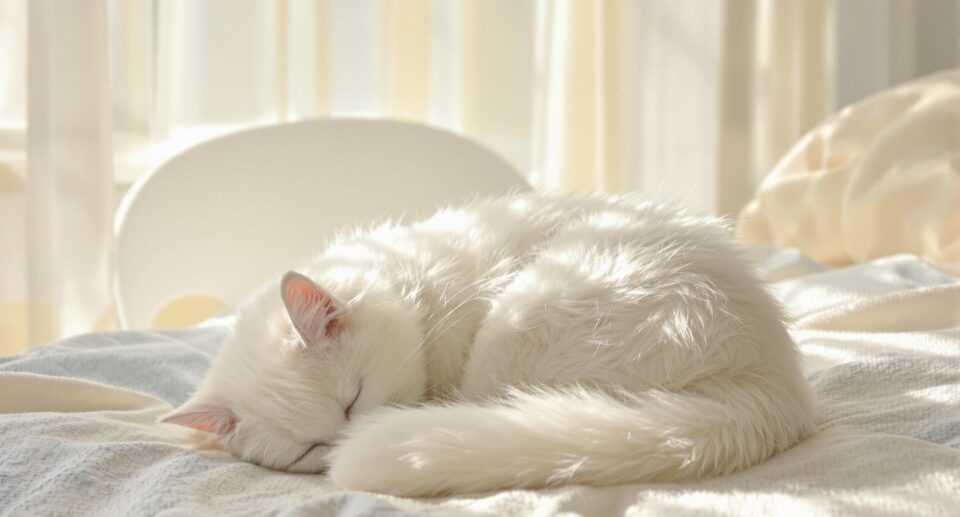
column 431, row 335
column 429, row 339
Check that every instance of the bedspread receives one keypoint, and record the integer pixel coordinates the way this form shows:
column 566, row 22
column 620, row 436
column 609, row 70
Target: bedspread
column 881, row 342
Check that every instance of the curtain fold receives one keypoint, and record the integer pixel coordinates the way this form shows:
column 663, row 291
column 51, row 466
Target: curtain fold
column 688, row 100
column 69, row 168
column 579, row 131
column 778, row 78
column 408, row 59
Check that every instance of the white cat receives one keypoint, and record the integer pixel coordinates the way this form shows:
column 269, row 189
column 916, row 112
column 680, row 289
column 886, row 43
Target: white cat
column 527, row 341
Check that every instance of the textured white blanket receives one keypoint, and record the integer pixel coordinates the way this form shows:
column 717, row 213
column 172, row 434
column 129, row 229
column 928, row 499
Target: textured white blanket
column 882, row 342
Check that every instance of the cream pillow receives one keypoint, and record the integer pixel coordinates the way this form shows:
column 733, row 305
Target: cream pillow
column 878, row 178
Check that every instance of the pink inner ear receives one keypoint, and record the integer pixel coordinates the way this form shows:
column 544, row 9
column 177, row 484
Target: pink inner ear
column 204, row 417
column 310, row 307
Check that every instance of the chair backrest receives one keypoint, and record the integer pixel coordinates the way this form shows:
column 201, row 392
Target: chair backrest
column 225, row 216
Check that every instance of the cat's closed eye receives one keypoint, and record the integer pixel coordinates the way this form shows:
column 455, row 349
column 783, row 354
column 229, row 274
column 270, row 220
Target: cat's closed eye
column 308, row 451
column 349, row 408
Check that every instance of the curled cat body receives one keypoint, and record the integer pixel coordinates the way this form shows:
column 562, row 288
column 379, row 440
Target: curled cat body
column 526, row 341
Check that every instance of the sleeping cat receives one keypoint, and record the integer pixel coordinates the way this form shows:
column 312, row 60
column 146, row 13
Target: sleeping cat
column 520, row 342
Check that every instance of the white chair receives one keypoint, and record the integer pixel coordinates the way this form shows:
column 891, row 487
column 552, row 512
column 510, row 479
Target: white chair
column 207, row 227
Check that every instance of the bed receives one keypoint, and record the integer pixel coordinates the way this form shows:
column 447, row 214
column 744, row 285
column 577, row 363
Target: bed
column 881, row 345
column 879, row 332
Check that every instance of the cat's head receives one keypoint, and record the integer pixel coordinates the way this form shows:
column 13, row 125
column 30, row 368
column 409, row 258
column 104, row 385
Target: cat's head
column 300, row 364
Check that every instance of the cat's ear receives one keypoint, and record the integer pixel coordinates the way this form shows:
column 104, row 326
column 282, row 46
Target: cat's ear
column 313, row 311
column 205, row 416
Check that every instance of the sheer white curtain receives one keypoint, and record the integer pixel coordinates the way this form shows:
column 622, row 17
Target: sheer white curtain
column 693, row 100
column 56, row 226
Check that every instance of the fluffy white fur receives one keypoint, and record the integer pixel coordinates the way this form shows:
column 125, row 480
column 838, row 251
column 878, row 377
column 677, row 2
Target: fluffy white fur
column 526, row 341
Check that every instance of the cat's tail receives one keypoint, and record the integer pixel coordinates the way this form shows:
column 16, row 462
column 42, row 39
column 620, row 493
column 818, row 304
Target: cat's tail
column 539, row 439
